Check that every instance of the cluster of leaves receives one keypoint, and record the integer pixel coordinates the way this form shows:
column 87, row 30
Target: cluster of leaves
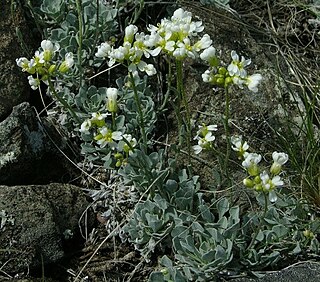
column 202, row 236
column 126, row 118
column 61, row 20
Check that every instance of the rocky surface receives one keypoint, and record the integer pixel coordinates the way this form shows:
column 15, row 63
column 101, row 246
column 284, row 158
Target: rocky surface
column 14, row 87
column 304, row 271
column 36, row 222
column 28, row 153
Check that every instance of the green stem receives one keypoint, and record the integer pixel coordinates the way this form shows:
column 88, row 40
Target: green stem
column 169, row 80
column 113, row 121
column 63, row 101
column 138, row 104
column 227, row 131
column 80, row 38
column 260, row 222
column 178, row 106
column 183, row 97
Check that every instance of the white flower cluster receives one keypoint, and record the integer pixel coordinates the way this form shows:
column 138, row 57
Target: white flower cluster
column 257, row 179
column 205, row 138
column 176, row 37
column 102, row 132
column 235, row 73
column 43, row 65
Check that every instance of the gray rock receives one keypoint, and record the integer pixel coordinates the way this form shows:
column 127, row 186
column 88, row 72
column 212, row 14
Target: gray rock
column 33, row 223
column 14, row 87
column 305, row 271
column 27, row 154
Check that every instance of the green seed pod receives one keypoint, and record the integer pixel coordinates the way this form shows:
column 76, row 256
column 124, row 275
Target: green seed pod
column 51, row 69
column 222, row 70
column 248, row 183
column 220, row 81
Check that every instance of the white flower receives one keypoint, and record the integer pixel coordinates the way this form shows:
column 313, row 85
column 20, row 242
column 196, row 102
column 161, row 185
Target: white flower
column 203, row 43
column 197, row 149
column 238, row 145
column 152, row 40
column 204, row 137
column 279, row 159
column 207, row 76
column 48, row 49
column 119, row 54
column 250, row 159
column 195, row 28
column 98, row 116
column 203, row 130
column 181, row 15
column 148, row 68
column 38, row 58
column 252, row 81
column 180, row 53
column 129, row 33
column 107, row 137
column 237, row 67
column 85, row 126
column 250, row 163
column 238, row 81
column 112, row 94
column 103, row 50
column 123, row 146
column 67, row 63
column 23, row 63
column 98, row 119
column 269, row 184
column 276, row 181
column 34, row 82
column 204, row 143
column 209, row 55
column 49, row 46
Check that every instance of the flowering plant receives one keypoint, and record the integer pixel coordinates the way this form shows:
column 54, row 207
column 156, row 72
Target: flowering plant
column 202, row 233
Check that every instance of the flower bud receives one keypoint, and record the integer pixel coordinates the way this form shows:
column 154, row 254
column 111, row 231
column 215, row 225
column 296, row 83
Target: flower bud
column 257, row 179
column 275, row 168
column 220, row 81
column 228, row 81
column 164, row 271
column 222, row 71
column 258, row 187
column 308, row 234
column 51, row 69
column 67, row 63
column 253, row 169
column 47, row 54
column 112, row 94
column 248, row 183
column 130, row 31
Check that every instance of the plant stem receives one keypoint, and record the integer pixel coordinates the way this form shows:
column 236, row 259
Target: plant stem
column 63, row 101
column 138, row 104
column 113, row 121
column 260, row 222
column 168, row 80
column 182, row 96
column 80, row 38
column 227, row 131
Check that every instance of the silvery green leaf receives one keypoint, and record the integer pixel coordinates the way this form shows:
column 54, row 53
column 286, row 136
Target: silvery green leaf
column 280, row 230
column 156, row 276
column 222, row 206
column 273, row 196
column 297, row 249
